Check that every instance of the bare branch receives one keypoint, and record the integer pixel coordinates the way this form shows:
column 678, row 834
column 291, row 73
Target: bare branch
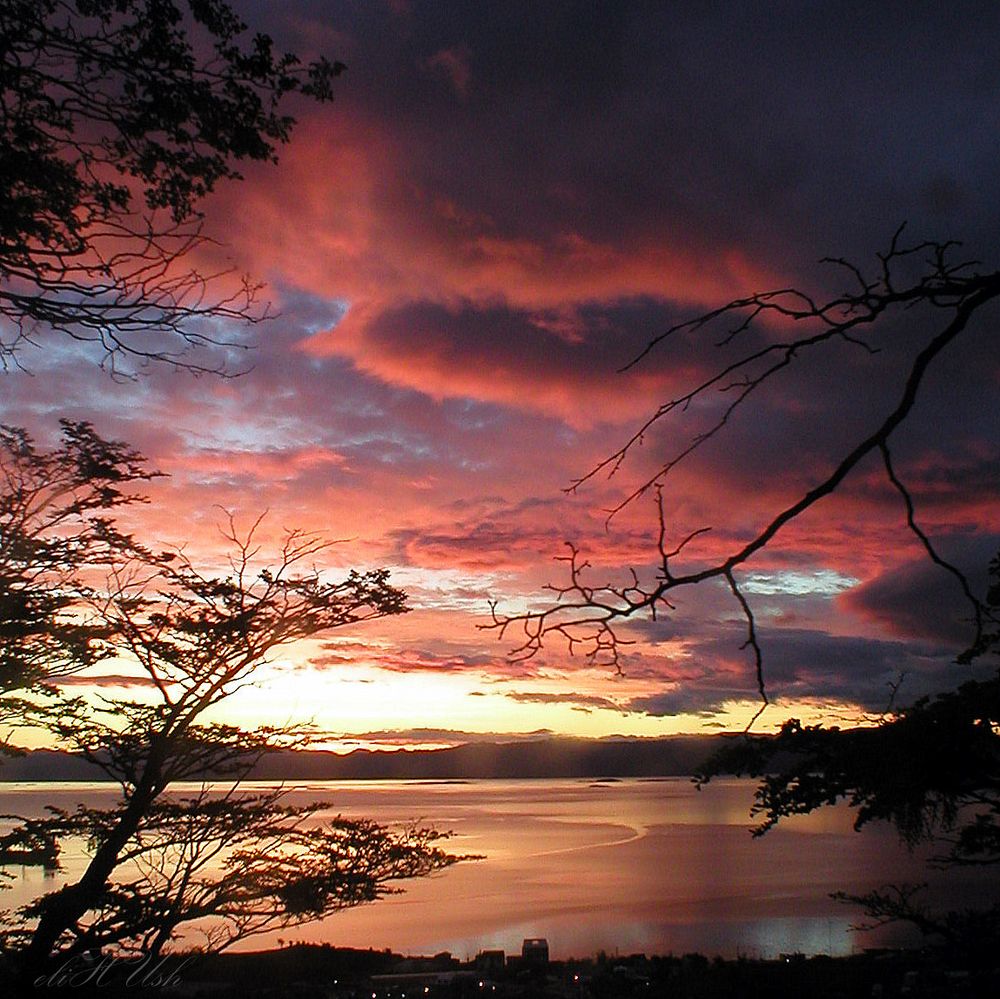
column 587, row 617
column 963, row 582
column 751, row 642
column 114, row 125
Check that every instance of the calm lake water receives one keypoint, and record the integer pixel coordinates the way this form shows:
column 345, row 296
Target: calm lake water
column 626, row 866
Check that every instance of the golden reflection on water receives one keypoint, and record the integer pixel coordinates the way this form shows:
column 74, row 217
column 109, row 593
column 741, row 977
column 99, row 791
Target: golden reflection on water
column 632, row 865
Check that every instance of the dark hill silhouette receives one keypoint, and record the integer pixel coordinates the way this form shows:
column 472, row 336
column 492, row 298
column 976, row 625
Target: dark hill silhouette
column 556, row 757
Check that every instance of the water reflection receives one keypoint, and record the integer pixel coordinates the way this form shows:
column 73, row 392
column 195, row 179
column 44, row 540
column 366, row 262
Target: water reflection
column 652, row 866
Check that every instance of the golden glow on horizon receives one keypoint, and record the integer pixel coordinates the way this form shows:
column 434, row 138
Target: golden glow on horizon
column 369, row 708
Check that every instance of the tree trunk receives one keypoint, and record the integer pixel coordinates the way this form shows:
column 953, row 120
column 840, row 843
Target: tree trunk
column 64, row 909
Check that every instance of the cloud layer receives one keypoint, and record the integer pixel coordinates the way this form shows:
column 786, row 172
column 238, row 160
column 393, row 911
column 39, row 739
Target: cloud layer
column 500, row 209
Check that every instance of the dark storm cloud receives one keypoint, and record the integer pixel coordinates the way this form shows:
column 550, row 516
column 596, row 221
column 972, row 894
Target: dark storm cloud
column 687, row 700
column 783, row 133
column 770, row 125
column 805, row 663
column 920, row 600
column 589, row 345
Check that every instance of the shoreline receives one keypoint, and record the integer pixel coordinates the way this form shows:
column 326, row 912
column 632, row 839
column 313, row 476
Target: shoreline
column 317, row 971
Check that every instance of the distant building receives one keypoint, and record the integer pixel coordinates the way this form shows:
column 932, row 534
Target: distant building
column 490, row 962
column 535, row 952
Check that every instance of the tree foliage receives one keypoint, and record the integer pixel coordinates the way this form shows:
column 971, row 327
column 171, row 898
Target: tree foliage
column 218, row 863
column 118, row 117
column 970, row 935
column 55, row 531
column 932, row 771
column 76, row 590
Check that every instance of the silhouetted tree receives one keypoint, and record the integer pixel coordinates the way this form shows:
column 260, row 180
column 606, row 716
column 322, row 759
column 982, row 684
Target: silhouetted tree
column 117, row 118
column 251, row 861
column 220, row 863
column 968, row 935
column 931, row 770
column 55, row 539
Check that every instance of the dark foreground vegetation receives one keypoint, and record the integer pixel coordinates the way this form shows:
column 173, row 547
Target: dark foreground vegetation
column 323, row 972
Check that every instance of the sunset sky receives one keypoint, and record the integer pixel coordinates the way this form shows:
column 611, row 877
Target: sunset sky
column 502, row 205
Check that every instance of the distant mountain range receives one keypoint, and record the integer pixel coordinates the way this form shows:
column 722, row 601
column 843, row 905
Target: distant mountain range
column 556, row 757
